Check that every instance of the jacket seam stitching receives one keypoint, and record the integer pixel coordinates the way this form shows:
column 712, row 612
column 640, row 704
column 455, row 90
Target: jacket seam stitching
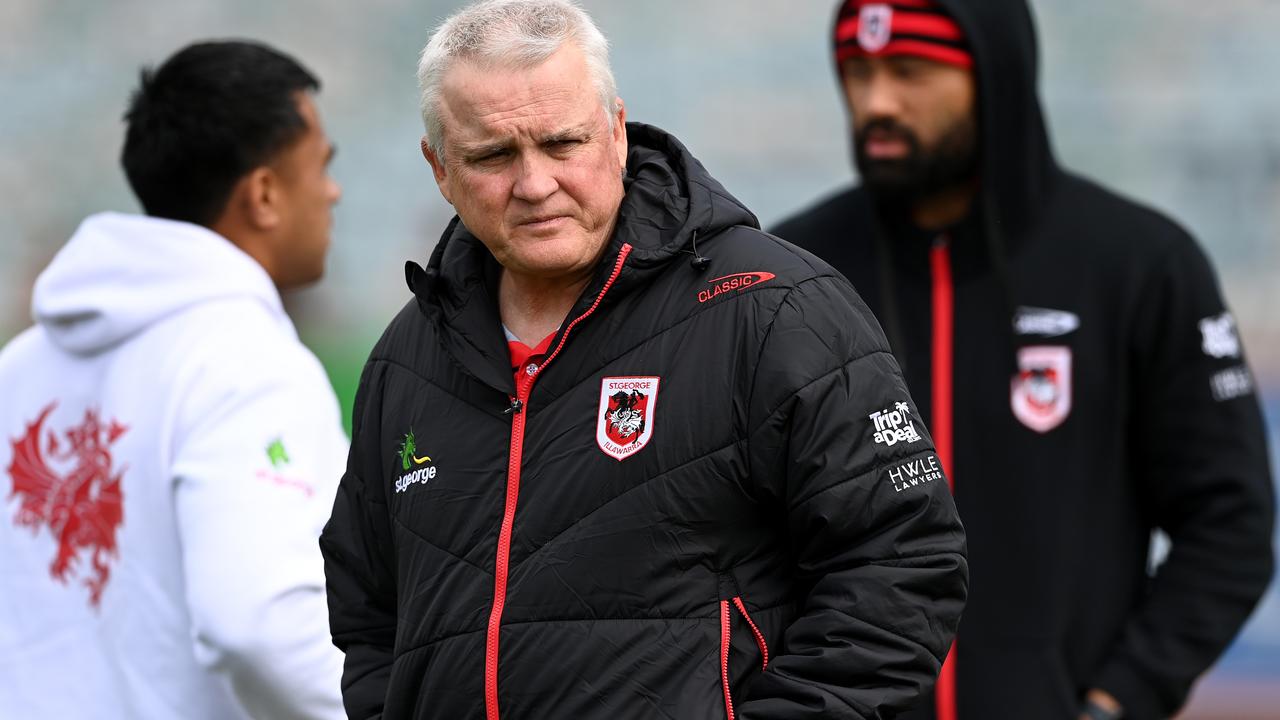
column 590, row 375
column 862, row 713
column 434, row 641
column 802, row 388
column 764, row 341
column 450, row 553
column 874, row 468
column 622, row 494
column 891, row 630
column 402, row 366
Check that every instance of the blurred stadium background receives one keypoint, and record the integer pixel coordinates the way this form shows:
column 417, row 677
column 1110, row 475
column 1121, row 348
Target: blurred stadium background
column 1175, row 103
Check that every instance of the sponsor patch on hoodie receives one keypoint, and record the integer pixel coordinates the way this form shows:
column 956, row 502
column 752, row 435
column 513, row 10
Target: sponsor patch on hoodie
column 1219, row 338
column 279, row 473
column 1045, row 322
column 1231, row 383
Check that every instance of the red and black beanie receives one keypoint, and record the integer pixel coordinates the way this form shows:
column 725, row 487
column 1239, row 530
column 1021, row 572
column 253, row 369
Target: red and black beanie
column 880, row 28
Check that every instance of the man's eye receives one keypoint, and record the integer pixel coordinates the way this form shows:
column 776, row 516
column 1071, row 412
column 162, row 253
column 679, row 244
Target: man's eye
column 489, row 158
column 856, row 69
column 910, row 67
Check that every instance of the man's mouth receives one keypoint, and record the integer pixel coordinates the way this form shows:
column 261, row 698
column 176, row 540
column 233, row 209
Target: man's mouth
column 543, row 222
column 882, row 145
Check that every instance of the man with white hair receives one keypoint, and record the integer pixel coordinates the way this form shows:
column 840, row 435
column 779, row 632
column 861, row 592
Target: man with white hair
column 624, row 455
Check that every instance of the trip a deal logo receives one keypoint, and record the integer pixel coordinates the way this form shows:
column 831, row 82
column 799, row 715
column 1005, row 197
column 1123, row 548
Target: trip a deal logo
column 733, row 283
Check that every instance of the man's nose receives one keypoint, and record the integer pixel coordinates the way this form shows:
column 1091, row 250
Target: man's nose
column 881, row 96
column 535, row 178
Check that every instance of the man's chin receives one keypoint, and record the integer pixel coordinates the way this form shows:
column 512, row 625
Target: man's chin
column 892, row 188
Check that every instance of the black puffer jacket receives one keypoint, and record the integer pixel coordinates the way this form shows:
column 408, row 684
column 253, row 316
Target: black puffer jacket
column 784, row 497
column 1097, row 390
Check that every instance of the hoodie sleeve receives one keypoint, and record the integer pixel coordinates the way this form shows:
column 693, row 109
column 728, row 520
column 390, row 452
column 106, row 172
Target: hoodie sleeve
column 1202, row 458
column 878, row 544
column 255, row 470
column 359, row 561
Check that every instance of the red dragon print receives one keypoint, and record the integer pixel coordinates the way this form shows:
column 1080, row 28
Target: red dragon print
column 82, row 506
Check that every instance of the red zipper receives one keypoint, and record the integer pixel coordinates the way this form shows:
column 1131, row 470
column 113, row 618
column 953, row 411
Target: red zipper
column 942, row 422
column 724, row 658
column 725, row 638
column 521, row 400
column 764, row 648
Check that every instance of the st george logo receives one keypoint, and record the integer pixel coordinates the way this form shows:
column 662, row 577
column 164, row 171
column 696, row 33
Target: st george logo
column 625, row 421
column 875, row 26
column 70, row 487
column 1041, row 391
column 409, row 452
column 410, row 462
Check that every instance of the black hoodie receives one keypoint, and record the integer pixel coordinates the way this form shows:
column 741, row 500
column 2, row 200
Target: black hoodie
column 769, row 538
column 1098, row 391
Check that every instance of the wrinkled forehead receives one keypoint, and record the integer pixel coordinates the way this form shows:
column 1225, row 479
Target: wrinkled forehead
column 486, row 97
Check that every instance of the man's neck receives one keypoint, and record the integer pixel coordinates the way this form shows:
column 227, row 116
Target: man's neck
column 533, row 308
column 946, row 208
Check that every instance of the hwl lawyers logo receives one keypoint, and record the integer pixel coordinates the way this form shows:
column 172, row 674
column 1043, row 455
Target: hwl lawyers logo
column 916, row 472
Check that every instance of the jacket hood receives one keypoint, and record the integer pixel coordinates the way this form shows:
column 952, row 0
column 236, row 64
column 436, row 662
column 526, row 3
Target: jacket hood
column 670, row 202
column 671, row 199
column 121, row 273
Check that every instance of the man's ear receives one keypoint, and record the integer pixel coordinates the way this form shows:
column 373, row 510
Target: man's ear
column 259, row 195
column 620, row 132
column 438, row 169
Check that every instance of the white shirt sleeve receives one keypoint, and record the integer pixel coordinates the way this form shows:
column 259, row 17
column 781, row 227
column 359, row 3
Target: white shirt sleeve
column 256, row 469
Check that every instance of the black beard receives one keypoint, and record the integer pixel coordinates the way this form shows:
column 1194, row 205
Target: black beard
column 920, row 174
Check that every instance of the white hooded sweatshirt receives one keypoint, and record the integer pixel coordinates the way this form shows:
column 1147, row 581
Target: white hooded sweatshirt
column 169, row 453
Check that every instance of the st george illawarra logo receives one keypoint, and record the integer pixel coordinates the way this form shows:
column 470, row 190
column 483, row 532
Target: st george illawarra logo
column 875, row 26
column 1040, row 393
column 625, row 421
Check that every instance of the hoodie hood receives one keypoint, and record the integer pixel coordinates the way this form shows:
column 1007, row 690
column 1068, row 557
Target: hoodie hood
column 121, row 273
column 1017, row 164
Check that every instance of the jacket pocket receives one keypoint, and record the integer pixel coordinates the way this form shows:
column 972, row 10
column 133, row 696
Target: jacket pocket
column 727, row 609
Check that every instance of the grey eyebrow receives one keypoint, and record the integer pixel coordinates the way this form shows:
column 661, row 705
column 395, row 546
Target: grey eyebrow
column 482, row 149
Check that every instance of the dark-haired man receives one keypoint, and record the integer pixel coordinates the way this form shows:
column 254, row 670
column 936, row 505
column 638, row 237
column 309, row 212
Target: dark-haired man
column 1073, row 357
column 170, row 450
